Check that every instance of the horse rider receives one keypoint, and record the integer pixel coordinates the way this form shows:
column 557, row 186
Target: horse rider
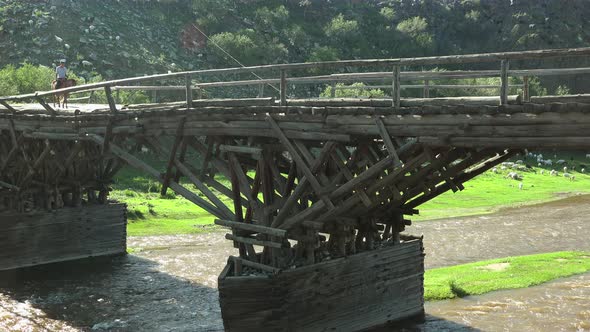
column 61, row 74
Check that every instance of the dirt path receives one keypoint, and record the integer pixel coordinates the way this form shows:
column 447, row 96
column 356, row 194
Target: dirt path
column 169, row 284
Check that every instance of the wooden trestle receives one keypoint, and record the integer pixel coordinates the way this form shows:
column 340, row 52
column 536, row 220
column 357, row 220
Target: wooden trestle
column 353, row 169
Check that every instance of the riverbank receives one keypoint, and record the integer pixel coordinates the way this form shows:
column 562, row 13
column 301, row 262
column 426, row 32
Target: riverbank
column 503, row 273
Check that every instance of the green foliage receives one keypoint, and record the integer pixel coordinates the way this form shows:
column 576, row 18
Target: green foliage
column 416, row 30
column 505, row 273
column 25, row 79
column 562, row 90
column 341, row 28
column 490, row 192
column 323, row 53
column 121, row 96
column 388, row 13
column 251, row 46
column 352, row 93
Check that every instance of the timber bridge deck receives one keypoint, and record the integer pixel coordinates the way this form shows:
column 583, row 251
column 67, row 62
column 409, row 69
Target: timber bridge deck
column 307, row 175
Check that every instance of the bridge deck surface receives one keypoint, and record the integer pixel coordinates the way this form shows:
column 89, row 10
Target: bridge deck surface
column 552, row 121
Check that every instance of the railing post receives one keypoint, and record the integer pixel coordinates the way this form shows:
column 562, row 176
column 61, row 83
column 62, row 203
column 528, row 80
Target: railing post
column 110, row 100
column 46, row 106
column 395, row 87
column 426, row 89
column 261, row 91
column 333, row 90
column 504, row 86
column 189, row 91
column 525, row 89
column 283, row 87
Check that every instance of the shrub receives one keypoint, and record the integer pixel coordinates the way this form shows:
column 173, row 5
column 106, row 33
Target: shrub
column 353, row 93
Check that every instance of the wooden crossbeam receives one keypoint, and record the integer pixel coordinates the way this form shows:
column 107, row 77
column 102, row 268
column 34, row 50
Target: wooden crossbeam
column 110, row 100
column 300, row 162
column 9, row 186
column 46, row 106
column 204, row 189
column 251, row 241
column 255, row 191
column 278, row 178
column 255, row 153
column 460, row 178
column 291, row 177
column 301, row 188
column 135, row 162
column 8, row 107
column 177, row 141
column 220, row 165
column 387, row 140
column 183, row 148
column 350, row 202
column 242, row 179
column 12, row 153
column 210, row 181
column 187, row 171
column 207, row 156
column 348, row 175
column 36, row 164
column 251, row 227
column 255, row 265
column 78, row 146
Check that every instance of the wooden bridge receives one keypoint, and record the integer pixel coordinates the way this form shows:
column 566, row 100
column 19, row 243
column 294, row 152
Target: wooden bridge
column 311, row 178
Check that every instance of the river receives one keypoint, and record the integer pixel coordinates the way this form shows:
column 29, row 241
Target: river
column 170, row 283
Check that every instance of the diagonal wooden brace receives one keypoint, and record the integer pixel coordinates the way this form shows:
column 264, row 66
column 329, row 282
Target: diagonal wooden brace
column 300, row 162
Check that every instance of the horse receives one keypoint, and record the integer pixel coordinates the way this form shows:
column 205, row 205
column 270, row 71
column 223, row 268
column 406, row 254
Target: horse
column 62, row 98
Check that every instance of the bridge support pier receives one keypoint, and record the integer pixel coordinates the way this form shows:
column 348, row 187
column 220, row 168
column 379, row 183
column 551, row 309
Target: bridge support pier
column 41, row 237
column 352, row 293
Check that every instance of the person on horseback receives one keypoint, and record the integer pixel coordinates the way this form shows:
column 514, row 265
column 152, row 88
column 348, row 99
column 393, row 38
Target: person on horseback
column 61, row 74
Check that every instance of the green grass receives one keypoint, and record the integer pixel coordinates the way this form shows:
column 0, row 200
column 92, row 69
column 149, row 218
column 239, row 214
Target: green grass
column 514, row 272
column 150, row 214
column 491, row 192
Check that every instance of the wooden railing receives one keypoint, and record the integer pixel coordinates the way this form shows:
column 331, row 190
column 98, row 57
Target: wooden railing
column 395, row 76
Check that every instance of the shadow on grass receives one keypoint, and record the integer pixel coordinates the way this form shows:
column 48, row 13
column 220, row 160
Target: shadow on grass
column 457, row 290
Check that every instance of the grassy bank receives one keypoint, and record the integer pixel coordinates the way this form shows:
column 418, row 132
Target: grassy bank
column 490, row 192
column 504, row 273
column 150, row 214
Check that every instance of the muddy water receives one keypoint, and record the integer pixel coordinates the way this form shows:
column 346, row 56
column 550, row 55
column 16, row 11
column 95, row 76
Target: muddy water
column 562, row 305
column 555, row 226
column 170, row 283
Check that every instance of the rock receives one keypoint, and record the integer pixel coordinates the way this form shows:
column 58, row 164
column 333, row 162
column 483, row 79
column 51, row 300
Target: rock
column 117, row 323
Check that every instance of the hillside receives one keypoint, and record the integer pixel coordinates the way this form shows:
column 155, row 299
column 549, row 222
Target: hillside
column 113, row 38
column 122, row 38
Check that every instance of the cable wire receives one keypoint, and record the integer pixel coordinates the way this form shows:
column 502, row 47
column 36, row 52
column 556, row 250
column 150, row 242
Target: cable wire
column 231, row 57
